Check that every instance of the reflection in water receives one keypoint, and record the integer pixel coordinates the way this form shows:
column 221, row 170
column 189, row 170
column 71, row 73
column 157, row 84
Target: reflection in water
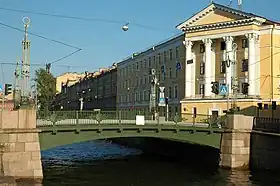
column 106, row 164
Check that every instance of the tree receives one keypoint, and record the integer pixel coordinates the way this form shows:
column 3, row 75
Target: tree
column 46, row 88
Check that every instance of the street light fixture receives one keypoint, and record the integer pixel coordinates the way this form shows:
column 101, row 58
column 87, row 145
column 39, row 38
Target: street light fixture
column 125, row 27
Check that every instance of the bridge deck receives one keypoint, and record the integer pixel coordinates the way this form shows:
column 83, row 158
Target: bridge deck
column 68, row 132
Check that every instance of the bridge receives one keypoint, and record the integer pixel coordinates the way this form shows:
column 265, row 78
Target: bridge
column 24, row 135
column 67, row 127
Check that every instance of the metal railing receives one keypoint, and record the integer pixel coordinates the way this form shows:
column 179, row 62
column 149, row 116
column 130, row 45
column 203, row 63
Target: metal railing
column 197, row 119
column 267, row 124
column 123, row 117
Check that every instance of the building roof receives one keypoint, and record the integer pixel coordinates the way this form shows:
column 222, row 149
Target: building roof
column 215, row 6
column 152, row 48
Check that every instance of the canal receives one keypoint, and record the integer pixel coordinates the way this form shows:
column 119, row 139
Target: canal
column 103, row 163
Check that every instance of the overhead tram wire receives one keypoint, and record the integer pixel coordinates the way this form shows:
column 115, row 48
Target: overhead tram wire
column 77, row 49
column 83, row 18
column 42, row 65
column 42, row 37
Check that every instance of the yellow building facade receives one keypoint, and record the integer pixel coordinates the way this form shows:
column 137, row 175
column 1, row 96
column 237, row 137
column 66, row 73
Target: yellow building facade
column 68, row 78
column 235, row 48
column 134, row 77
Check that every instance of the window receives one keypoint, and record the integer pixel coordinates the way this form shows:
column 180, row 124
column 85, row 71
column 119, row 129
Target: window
column 175, row 91
column 170, row 73
column 201, row 89
column 170, row 92
column 223, row 45
column 149, row 62
column 145, row 80
column 136, row 97
column 141, row 65
column 137, row 66
column 202, row 48
column 154, row 60
column 164, row 56
column 223, row 67
column 136, row 81
column 159, row 59
column 176, row 109
column 177, row 52
column 244, row 43
column 145, row 63
column 244, row 65
column 176, row 73
column 141, row 81
column 202, row 68
column 170, row 54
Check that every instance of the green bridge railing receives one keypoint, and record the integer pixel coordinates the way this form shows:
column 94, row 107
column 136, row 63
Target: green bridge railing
column 123, row 117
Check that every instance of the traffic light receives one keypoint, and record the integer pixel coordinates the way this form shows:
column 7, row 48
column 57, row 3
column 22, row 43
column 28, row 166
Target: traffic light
column 166, row 100
column 260, row 106
column 215, row 87
column 274, row 105
column 245, row 88
column 8, row 89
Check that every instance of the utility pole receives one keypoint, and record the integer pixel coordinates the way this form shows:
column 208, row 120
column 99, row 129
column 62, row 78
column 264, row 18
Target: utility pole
column 17, row 93
column 25, row 71
column 153, row 94
column 81, row 103
column 234, row 79
column 231, row 62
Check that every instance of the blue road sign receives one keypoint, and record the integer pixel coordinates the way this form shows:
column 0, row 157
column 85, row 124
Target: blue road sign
column 223, row 89
column 161, row 102
column 178, row 66
column 1, row 89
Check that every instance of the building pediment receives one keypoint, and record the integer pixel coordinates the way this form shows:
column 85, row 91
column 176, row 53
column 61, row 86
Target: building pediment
column 216, row 14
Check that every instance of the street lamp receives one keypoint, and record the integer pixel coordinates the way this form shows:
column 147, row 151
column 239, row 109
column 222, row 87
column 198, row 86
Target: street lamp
column 125, row 27
column 231, row 61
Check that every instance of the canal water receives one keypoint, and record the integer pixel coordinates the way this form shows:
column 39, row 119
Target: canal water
column 102, row 163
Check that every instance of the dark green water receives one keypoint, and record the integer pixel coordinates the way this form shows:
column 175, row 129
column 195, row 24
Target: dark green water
column 106, row 164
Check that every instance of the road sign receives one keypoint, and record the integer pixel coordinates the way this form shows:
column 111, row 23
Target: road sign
column 223, row 89
column 161, row 89
column 1, row 89
column 161, row 102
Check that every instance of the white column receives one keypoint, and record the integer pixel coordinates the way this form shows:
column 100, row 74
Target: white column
column 213, row 61
column 208, row 66
column 258, row 64
column 252, row 38
column 229, row 42
column 193, row 75
column 188, row 83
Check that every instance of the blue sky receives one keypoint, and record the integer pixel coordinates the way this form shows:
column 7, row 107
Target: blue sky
column 102, row 43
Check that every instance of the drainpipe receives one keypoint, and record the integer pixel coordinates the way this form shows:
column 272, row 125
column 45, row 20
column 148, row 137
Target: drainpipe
column 271, row 61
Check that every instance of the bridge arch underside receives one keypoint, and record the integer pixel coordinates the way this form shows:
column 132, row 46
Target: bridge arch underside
column 51, row 139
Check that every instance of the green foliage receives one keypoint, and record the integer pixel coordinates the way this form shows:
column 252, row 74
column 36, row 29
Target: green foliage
column 46, row 89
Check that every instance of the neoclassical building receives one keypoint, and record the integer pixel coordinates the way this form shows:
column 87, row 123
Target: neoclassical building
column 232, row 47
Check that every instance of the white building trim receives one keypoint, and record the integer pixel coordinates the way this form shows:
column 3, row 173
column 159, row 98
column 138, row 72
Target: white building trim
column 216, row 36
column 214, row 109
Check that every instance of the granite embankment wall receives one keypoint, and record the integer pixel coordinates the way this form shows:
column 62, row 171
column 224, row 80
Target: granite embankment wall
column 265, row 151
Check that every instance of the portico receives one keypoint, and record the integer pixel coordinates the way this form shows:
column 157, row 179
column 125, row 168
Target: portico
column 215, row 38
